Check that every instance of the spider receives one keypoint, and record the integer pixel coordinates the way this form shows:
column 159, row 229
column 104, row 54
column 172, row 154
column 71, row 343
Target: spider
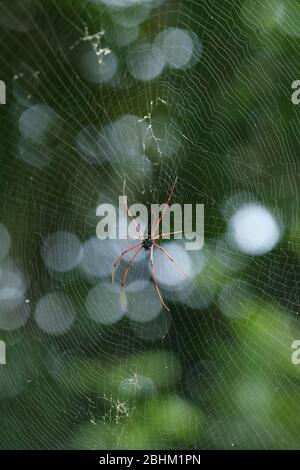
column 147, row 242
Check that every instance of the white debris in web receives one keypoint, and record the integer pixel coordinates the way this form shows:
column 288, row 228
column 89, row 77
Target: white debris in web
column 95, row 41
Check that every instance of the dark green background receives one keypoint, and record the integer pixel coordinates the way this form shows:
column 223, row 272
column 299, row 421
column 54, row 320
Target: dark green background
column 221, row 383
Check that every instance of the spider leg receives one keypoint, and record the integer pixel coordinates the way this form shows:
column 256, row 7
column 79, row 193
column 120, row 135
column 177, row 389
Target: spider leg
column 154, row 279
column 119, row 259
column 165, row 208
column 170, row 258
column 138, row 228
column 169, row 233
column 125, row 274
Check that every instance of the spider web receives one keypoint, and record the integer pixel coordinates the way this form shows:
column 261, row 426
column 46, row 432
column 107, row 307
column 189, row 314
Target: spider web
column 99, row 94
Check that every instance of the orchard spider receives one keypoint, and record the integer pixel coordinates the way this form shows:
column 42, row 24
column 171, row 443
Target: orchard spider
column 147, row 242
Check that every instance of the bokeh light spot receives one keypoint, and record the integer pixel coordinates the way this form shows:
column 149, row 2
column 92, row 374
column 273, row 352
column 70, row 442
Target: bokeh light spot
column 54, row 313
column 254, row 229
column 61, row 251
column 145, row 62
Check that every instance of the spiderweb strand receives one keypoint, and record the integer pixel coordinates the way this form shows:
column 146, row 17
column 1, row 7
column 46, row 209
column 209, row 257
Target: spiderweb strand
column 209, row 114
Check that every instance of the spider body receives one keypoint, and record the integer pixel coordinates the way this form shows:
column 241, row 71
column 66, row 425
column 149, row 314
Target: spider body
column 147, row 244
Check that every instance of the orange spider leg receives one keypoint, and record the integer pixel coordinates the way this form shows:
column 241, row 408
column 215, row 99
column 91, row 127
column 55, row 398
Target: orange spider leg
column 154, row 279
column 125, row 275
column 166, row 205
column 138, row 228
column 168, row 233
column 170, row 258
column 119, row 259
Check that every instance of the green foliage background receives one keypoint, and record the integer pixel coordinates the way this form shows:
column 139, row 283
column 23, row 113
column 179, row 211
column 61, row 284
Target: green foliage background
column 220, row 382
